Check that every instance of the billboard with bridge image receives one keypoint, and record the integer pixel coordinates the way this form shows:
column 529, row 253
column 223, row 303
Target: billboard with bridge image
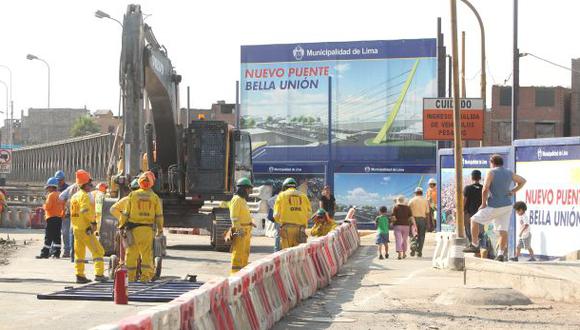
column 376, row 95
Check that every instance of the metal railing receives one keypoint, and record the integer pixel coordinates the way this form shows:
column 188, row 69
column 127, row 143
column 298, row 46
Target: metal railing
column 35, row 164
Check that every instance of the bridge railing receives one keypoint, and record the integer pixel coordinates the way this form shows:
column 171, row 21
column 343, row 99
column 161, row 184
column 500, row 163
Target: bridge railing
column 35, row 164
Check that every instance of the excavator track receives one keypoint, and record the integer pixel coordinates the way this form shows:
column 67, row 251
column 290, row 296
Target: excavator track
column 220, row 224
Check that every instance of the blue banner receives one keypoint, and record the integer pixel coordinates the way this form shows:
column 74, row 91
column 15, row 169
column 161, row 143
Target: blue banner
column 383, row 168
column 470, row 160
column 353, row 50
column 285, row 168
column 547, row 153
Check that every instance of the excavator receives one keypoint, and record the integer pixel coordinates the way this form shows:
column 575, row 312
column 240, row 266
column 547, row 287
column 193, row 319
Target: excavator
column 195, row 164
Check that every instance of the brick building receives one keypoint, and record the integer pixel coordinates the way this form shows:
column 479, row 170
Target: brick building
column 575, row 99
column 106, row 121
column 542, row 112
column 48, row 125
column 219, row 111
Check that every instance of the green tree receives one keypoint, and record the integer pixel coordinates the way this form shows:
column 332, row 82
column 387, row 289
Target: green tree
column 84, row 126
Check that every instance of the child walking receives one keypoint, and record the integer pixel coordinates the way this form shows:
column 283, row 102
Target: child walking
column 525, row 236
column 53, row 212
column 382, row 222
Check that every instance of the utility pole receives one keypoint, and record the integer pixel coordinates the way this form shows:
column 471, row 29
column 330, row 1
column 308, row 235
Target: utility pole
column 516, row 76
column 463, row 91
column 457, row 126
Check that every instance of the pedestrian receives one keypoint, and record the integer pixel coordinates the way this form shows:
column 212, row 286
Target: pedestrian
column 525, row 235
column 141, row 218
column 66, row 232
column 241, row 225
column 496, row 204
column 420, row 212
column 472, row 202
column 327, row 201
column 432, row 199
column 382, row 222
column 402, row 218
column 271, row 202
column 53, row 212
column 84, row 226
column 323, row 223
column 292, row 210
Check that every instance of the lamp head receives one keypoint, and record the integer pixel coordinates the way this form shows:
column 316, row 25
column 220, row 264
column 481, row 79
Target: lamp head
column 31, row 57
column 101, row 14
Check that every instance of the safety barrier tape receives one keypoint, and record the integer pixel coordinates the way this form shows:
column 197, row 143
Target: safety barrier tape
column 260, row 294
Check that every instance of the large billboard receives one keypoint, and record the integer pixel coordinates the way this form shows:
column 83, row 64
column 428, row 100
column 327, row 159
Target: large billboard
column 343, row 107
column 552, row 194
column 374, row 97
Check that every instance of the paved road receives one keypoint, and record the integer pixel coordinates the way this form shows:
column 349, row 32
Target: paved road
column 25, row 277
column 370, row 293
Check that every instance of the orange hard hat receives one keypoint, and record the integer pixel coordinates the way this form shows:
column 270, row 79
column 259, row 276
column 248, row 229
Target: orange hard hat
column 146, row 180
column 102, row 187
column 82, row 177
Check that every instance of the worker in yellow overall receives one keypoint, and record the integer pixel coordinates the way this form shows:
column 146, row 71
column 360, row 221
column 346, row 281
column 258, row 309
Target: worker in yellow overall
column 141, row 216
column 84, row 227
column 323, row 224
column 292, row 210
column 116, row 209
column 241, row 231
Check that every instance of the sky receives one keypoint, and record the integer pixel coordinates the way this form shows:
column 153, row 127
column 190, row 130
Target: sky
column 203, row 39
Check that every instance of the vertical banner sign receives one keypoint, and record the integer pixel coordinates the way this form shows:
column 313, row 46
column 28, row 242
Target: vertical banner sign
column 552, row 194
column 438, row 119
column 5, row 161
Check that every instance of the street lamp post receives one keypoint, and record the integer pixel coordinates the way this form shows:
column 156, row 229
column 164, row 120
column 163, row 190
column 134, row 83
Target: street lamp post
column 33, row 57
column 7, row 102
column 11, row 103
column 483, row 82
column 102, row 14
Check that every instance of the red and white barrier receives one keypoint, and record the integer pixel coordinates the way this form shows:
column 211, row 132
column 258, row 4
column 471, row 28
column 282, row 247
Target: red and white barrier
column 257, row 296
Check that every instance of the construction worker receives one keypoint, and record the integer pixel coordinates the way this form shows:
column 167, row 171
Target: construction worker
column 84, row 226
column 142, row 213
column 323, row 224
column 241, row 231
column 65, row 230
column 432, row 199
column 292, row 210
column 98, row 197
column 117, row 208
column 53, row 211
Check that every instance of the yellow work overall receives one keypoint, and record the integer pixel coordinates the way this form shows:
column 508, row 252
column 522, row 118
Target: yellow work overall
column 242, row 223
column 82, row 215
column 291, row 210
column 142, row 211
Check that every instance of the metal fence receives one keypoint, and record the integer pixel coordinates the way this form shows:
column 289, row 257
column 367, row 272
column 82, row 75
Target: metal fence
column 35, row 164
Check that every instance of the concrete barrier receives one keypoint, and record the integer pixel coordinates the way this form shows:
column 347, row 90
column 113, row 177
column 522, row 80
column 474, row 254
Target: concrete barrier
column 557, row 281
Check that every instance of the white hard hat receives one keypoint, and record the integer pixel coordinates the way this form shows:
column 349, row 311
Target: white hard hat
column 432, row 181
column 418, row 189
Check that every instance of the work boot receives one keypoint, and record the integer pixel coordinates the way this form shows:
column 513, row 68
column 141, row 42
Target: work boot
column 514, row 259
column 471, row 249
column 42, row 256
column 101, row 278
column 82, row 280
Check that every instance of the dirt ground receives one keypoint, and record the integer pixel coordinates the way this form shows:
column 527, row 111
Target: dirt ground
column 370, row 293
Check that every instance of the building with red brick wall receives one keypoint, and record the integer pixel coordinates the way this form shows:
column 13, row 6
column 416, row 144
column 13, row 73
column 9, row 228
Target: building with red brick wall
column 542, row 112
